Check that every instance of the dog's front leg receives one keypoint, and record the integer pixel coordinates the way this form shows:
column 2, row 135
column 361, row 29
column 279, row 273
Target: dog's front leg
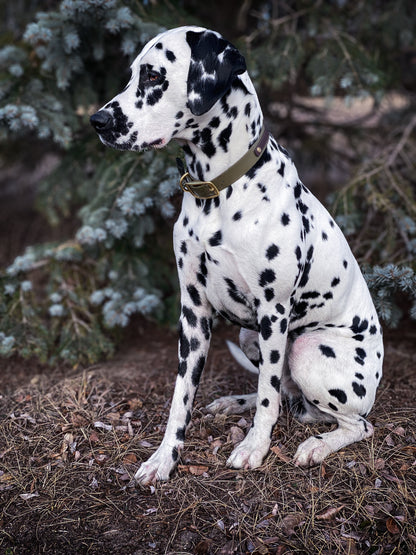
column 272, row 341
column 194, row 337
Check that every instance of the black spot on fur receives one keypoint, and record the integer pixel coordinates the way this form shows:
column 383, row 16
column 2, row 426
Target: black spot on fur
column 339, row 394
column 265, row 327
column 267, row 276
column 275, row 382
column 197, row 371
column 224, row 137
column 193, row 293
column 285, row 219
column 359, row 389
column 269, row 294
column 182, row 368
column 170, row 55
column 195, row 344
column 272, row 252
column 274, row 357
column 216, row 239
column 189, row 315
column 327, row 351
column 265, row 402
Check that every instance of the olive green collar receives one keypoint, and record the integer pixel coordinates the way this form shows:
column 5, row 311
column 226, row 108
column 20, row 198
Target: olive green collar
column 211, row 189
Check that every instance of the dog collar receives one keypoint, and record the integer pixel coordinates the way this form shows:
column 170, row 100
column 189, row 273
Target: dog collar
column 211, row 189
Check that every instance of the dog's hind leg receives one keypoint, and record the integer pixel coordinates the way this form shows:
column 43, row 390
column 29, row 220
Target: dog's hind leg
column 333, row 382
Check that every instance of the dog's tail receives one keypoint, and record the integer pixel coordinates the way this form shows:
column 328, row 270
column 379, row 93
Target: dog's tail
column 241, row 358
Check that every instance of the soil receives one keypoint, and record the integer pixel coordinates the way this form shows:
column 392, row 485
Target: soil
column 71, row 440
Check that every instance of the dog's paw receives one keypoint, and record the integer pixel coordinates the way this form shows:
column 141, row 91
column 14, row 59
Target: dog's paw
column 248, row 454
column 157, row 468
column 311, row 452
column 232, row 404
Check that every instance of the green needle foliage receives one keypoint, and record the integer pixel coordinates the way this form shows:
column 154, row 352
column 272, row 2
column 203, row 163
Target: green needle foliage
column 67, row 300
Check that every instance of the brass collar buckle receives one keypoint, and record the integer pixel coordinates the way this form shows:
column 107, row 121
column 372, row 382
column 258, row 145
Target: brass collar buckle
column 199, row 189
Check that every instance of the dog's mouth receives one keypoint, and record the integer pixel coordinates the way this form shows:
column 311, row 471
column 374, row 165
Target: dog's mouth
column 109, row 139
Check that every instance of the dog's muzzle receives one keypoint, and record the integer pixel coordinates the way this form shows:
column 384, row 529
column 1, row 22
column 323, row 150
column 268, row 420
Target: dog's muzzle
column 102, row 121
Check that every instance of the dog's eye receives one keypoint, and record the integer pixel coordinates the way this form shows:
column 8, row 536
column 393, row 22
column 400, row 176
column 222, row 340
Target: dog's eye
column 153, row 76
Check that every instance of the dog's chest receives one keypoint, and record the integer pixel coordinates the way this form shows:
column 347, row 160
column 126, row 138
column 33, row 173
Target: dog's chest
column 210, row 256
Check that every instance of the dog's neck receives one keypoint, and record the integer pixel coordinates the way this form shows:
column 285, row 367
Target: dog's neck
column 205, row 163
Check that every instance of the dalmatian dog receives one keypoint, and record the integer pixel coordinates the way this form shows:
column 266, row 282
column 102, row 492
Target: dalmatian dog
column 262, row 252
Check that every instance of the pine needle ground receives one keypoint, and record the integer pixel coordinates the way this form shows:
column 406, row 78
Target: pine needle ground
column 72, row 439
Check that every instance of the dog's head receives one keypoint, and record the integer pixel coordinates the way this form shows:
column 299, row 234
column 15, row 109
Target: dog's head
column 176, row 79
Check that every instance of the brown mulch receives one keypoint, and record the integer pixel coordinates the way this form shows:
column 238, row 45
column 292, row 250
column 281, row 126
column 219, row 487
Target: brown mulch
column 72, row 439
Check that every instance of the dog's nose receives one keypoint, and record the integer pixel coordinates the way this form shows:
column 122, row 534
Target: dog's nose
column 101, row 121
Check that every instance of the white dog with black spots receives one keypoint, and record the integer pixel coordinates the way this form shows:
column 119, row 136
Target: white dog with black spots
column 264, row 253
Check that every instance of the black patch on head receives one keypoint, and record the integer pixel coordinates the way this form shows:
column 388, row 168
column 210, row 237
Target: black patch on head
column 152, row 84
column 339, row 394
column 212, row 55
column 170, row 55
column 224, row 137
column 327, row 351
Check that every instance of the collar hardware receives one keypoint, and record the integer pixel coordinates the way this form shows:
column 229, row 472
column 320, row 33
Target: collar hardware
column 211, row 189
column 199, row 189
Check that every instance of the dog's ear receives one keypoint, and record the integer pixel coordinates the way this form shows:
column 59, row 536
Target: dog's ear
column 215, row 63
